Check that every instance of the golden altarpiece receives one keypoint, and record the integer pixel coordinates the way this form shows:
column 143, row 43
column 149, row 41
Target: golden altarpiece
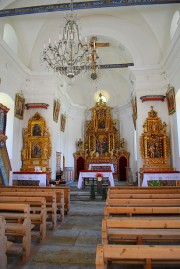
column 101, row 143
column 36, row 150
column 154, row 144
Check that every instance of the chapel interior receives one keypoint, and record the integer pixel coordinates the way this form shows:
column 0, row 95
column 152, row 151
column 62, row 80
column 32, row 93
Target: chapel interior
column 117, row 111
column 132, row 67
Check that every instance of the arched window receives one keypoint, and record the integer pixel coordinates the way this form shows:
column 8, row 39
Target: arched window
column 7, row 101
column 102, row 98
column 178, row 116
column 10, row 38
column 174, row 23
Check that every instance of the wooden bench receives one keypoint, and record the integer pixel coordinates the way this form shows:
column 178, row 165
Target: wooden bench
column 51, row 207
column 3, row 243
column 141, row 210
column 141, row 229
column 114, row 195
column 136, row 254
column 19, row 225
column 38, row 212
column 142, row 202
column 133, row 190
column 63, row 195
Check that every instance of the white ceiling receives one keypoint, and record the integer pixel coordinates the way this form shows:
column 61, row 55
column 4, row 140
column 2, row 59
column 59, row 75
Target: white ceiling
column 139, row 34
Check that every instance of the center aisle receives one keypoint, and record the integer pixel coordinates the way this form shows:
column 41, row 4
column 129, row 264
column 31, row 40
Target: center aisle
column 73, row 244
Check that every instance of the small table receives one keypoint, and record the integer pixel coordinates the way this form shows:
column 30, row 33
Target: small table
column 92, row 174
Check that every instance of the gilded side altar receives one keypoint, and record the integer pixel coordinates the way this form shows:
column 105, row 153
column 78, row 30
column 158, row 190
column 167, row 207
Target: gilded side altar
column 36, row 150
column 154, row 144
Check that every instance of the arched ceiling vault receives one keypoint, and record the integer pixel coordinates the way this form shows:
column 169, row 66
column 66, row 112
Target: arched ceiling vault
column 137, row 34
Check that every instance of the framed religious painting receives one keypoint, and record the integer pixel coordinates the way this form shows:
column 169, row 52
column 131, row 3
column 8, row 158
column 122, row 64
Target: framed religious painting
column 63, row 122
column 134, row 106
column 56, row 110
column 134, row 121
column 170, row 97
column 36, row 149
column 19, row 106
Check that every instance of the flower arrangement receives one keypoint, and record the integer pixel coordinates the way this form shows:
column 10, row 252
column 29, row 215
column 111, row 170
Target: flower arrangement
column 99, row 175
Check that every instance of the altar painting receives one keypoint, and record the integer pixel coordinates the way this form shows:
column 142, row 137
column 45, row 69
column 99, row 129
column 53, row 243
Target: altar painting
column 155, row 148
column 101, row 124
column 36, row 150
column 37, row 130
column 102, row 144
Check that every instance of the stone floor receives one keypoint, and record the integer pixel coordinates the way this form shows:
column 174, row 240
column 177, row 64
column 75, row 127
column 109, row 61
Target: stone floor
column 73, row 244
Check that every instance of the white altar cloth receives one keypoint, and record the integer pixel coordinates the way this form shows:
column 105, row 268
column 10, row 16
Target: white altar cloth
column 102, row 164
column 159, row 176
column 88, row 174
column 30, row 176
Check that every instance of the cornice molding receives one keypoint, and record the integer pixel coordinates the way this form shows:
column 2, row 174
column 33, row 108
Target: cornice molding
column 81, row 5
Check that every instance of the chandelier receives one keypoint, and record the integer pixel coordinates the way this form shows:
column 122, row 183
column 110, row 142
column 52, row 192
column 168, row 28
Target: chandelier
column 69, row 56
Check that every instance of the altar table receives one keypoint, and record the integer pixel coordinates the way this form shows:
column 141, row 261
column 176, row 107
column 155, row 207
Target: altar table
column 92, row 174
column 102, row 164
column 30, row 176
column 159, row 176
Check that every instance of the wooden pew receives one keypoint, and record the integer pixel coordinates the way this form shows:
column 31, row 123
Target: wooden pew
column 141, row 229
column 141, row 210
column 66, row 198
column 137, row 254
column 38, row 212
column 63, row 195
column 142, row 202
column 114, row 195
column 3, row 244
column 51, row 208
column 20, row 225
column 133, row 190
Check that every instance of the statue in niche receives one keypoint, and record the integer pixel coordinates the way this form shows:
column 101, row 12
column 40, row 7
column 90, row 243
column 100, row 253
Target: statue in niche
column 80, row 144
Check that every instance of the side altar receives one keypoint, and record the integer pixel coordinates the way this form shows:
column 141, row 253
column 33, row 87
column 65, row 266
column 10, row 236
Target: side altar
column 36, row 150
column 154, row 146
column 102, row 147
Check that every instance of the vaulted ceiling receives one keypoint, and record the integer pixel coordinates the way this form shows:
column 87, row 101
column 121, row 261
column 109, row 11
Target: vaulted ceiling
column 138, row 34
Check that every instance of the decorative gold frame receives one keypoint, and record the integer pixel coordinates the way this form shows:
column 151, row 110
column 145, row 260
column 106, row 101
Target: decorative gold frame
column 19, row 106
column 36, row 150
column 56, row 110
column 134, row 107
column 134, row 121
column 154, row 143
column 170, row 97
column 63, row 122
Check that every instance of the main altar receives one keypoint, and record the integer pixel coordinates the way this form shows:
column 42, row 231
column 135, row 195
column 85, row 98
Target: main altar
column 102, row 147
